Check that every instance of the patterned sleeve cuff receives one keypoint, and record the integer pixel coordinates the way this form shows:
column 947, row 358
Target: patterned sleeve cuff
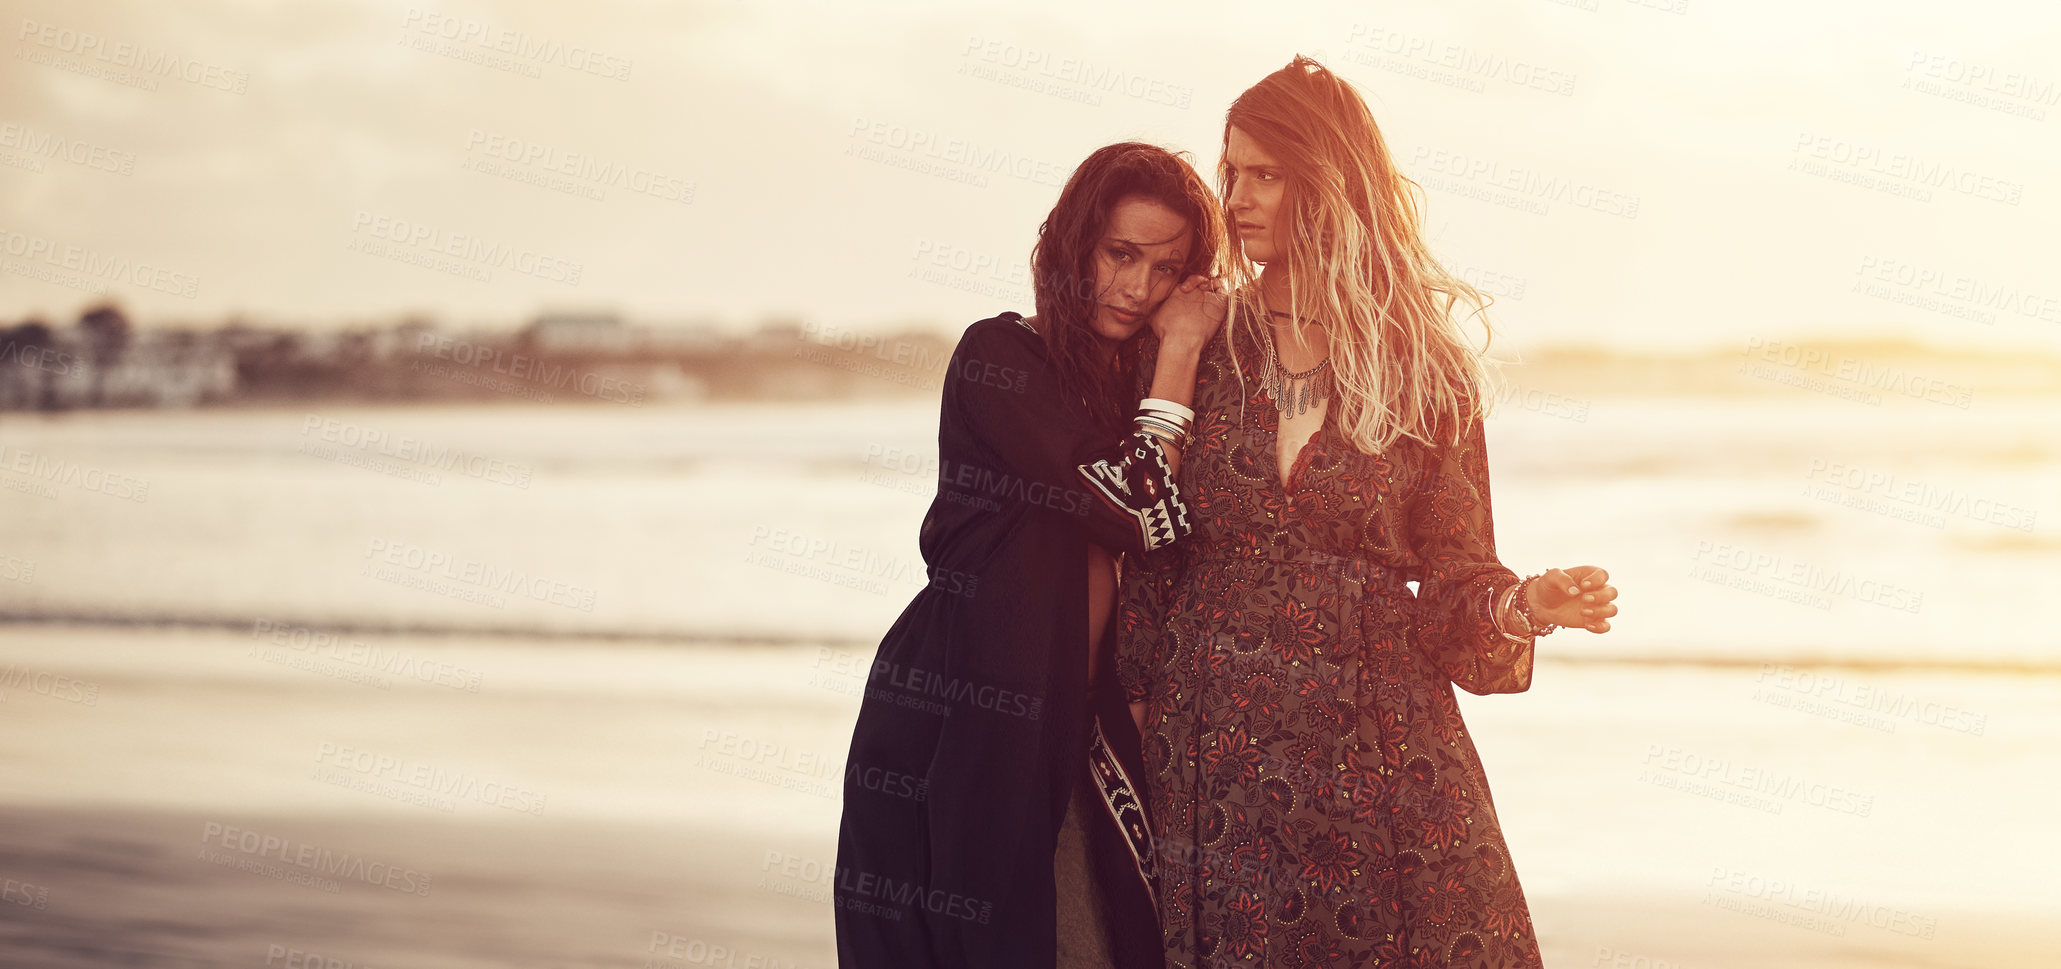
column 1140, row 484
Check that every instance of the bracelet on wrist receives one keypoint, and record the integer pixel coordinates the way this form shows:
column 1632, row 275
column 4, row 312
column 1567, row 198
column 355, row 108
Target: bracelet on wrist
column 1163, row 421
column 1159, row 418
column 1152, row 420
column 1159, row 435
column 1162, row 405
column 1523, row 607
column 1160, row 431
column 1505, row 620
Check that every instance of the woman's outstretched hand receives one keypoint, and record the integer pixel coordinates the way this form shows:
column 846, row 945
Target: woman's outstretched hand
column 1578, row 598
column 1193, row 312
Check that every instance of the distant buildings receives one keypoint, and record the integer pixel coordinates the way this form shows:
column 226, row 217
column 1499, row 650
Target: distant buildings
column 102, row 361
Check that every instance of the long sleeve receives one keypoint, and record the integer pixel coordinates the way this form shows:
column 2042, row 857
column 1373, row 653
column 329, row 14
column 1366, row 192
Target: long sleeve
column 1453, row 534
column 1038, row 450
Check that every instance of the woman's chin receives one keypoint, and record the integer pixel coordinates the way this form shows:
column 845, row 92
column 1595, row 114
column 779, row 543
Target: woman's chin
column 1115, row 332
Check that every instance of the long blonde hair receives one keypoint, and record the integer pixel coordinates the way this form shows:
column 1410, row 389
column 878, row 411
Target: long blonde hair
column 1348, row 231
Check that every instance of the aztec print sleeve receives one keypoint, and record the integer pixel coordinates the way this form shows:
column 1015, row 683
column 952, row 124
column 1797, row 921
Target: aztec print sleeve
column 1119, row 490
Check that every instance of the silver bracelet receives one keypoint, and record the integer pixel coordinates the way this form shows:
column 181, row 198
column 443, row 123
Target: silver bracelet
column 1174, row 423
column 1161, row 430
column 1152, row 430
column 1499, row 605
column 1163, row 405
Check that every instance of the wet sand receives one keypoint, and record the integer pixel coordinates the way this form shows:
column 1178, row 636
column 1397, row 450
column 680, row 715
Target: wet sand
column 198, row 798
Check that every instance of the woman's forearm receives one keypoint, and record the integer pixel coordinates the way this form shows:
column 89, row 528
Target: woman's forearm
column 1173, row 378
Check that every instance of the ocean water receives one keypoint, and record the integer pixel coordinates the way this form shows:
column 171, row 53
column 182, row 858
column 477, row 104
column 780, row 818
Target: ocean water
column 1736, row 529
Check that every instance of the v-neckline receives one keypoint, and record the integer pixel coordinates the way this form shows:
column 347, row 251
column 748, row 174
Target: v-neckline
column 1302, row 454
column 1286, row 486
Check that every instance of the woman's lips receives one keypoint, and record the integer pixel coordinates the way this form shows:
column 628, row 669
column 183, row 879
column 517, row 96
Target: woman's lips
column 1247, row 228
column 1123, row 316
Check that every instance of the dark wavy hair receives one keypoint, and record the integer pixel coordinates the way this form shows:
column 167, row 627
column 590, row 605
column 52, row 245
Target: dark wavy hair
column 1063, row 262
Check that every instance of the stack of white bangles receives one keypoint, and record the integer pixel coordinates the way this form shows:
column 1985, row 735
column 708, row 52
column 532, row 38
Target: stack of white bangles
column 1163, row 419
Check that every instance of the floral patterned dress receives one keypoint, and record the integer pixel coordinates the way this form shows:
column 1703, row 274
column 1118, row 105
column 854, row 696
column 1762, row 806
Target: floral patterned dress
column 1315, row 797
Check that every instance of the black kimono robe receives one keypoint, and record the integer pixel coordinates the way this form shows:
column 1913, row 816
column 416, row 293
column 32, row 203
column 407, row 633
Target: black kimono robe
column 977, row 719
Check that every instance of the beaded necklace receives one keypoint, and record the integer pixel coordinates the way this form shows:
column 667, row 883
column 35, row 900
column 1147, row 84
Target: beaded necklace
column 1294, row 393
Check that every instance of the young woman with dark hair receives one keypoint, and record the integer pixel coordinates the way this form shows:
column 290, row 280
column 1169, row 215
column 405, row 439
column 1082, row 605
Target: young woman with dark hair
column 989, row 815
column 1317, row 796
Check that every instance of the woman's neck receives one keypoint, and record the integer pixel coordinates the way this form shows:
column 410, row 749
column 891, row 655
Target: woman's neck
column 1288, row 327
column 1273, row 284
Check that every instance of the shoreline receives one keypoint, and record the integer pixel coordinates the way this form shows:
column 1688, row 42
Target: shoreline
column 612, row 895
column 528, row 635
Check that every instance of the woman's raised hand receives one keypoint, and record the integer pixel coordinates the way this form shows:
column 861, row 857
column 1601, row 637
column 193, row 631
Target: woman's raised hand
column 1578, row 598
column 1193, row 312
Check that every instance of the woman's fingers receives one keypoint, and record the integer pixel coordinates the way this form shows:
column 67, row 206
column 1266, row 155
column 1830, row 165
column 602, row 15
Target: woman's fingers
column 1559, row 585
column 1594, row 583
column 1580, row 596
column 1576, row 614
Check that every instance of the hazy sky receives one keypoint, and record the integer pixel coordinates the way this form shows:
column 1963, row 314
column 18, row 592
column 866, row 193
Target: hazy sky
column 1667, row 173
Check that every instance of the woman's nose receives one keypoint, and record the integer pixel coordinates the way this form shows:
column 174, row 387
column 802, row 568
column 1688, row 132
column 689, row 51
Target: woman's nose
column 1134, row 281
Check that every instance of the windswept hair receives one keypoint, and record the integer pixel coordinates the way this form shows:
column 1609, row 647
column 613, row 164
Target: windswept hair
column 1063, row 261
column 1348, row 232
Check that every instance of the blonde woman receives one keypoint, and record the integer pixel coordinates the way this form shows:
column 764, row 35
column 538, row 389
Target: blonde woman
column 1316, row 798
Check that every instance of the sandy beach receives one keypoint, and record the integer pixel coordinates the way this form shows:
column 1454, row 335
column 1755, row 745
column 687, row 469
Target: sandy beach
column 211, row 798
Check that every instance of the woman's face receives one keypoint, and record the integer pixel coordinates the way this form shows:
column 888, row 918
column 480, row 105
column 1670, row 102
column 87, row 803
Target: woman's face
column 1137, row 263
column 1254, row 202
